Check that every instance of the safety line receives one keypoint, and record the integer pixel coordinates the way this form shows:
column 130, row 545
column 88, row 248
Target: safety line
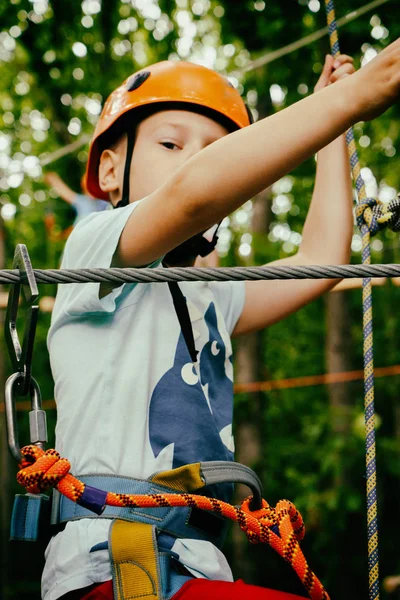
column 160, row 275
column 368, row 348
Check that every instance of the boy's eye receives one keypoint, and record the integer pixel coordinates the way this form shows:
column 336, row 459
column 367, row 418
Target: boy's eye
column 169, row 145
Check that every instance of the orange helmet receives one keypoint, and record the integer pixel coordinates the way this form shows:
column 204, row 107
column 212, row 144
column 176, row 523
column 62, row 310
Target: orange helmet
column 167, row 81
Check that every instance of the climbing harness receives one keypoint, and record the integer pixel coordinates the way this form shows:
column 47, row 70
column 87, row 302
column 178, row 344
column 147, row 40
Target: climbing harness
column 281, row 527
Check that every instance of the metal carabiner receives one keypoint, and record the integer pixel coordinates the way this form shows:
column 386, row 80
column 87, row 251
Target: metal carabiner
column 37, row 416
column 21, row 356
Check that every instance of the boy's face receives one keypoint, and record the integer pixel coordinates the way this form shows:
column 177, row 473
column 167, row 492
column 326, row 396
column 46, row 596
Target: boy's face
column 164, row 141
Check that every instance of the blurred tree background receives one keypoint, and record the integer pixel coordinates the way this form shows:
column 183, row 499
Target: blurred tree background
column 59, row 61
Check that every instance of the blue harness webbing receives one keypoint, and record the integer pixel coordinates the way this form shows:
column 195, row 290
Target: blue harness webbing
column 183, row 522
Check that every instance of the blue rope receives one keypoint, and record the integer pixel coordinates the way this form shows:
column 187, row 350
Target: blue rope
column 364, row 212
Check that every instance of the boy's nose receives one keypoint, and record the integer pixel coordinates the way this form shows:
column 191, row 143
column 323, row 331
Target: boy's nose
column 194, row 150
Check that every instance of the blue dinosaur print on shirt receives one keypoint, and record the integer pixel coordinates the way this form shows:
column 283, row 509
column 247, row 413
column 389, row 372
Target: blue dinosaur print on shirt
column 179, row 412
column 212, row 372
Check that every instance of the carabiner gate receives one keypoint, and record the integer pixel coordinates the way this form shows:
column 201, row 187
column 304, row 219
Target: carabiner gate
column 21, row 356
column 37, row 416
column 21, row 382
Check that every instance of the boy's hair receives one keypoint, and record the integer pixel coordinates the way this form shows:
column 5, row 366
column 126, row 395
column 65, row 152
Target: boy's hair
column 165, row 85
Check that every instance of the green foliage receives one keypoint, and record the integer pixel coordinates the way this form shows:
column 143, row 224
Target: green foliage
column 59, row 62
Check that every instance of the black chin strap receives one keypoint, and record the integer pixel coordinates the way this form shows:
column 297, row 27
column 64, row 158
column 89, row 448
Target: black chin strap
column 206, row 246
column 127, row 170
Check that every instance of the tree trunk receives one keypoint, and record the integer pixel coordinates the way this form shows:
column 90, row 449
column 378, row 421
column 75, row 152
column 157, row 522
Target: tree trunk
column 341, row 404
column 338, row 359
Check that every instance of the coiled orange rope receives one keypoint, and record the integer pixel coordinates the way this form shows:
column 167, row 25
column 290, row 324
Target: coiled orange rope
column 281, row 527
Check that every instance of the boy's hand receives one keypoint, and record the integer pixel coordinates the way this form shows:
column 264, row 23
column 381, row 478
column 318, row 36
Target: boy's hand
column 376, row 86
column 51, row 178
column 334, row 69
column 370, row 90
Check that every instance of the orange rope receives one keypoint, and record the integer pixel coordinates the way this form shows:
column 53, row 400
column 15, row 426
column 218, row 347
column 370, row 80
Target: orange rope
column 42, row 470
column 311, row 380
column 266, row 386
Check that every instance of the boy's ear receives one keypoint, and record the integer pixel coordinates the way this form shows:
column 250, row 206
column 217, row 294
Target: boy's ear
column 108, row 171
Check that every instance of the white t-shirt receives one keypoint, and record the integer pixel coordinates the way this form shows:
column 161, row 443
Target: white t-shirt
column 130, row 401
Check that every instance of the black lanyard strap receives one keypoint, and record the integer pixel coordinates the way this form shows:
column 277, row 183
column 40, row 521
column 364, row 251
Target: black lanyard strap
column 182, row 313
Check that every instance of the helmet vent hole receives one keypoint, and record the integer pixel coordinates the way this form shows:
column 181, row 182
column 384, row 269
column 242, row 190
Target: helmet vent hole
column 137, row 80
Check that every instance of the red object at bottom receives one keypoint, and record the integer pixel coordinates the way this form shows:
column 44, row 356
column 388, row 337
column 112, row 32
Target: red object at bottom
column 195, row 589
column 199, row 589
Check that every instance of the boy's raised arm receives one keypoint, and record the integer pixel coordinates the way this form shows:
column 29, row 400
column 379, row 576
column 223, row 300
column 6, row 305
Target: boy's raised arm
column 326, row 236
column 225, row 174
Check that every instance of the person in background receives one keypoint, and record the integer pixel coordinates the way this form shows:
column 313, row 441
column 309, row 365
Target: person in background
column 83, row 203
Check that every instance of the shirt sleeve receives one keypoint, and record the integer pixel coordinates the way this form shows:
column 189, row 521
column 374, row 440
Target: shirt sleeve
column 230, row 296
column 92, row 244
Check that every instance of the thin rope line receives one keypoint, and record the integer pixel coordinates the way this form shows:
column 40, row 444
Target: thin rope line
column 46, row 159
column 263, row 386
column 312, row 380
column 308, row 39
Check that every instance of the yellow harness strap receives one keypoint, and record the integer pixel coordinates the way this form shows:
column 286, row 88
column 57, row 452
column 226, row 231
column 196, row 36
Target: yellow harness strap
column 134, row 561
column 183, row 479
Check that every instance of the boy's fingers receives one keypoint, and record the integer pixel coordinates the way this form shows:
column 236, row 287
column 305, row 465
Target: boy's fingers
column 326, row 73
column 342, row 59
column 343, row 71
column 335, row 69
column 327, row 68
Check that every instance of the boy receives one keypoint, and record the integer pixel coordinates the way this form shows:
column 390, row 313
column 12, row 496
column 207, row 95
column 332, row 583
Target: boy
column 144, row 380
